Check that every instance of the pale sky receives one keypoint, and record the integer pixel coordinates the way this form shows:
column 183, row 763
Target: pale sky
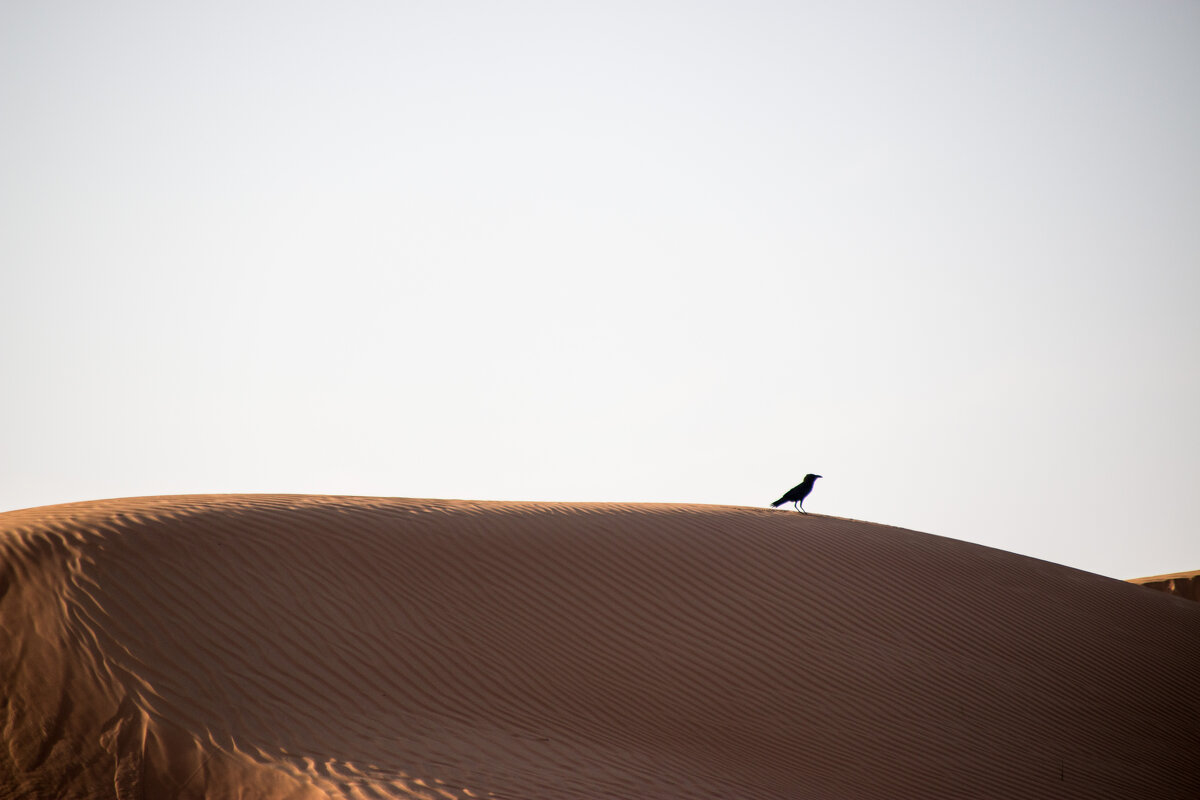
column 945, row 254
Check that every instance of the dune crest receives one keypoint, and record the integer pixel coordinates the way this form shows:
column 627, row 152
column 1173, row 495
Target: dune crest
column 311, row 647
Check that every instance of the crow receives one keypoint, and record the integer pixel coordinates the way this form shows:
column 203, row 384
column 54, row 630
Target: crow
column 797, row 493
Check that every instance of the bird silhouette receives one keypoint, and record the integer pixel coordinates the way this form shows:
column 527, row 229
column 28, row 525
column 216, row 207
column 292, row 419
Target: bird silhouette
column 797, row 493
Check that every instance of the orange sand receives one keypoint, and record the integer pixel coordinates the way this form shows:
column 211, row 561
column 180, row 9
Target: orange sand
column 311, row 647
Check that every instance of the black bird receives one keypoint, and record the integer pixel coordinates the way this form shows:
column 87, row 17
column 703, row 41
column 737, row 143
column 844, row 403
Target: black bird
column 797, row 493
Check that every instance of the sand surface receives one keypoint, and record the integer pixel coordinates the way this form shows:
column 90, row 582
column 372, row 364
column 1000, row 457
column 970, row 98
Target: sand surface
column 253, row 646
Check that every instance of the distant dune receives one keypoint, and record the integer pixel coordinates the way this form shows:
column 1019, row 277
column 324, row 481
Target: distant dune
column 312, row 647
column 1181, row 584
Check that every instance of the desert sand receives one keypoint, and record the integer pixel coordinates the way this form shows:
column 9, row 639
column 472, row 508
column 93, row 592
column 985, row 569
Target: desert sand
column 253, row 646
column 1181, row 584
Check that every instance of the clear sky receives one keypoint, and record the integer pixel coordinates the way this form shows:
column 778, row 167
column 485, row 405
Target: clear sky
column 945, row 254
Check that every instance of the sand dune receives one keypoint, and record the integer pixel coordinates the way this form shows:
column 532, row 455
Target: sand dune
column 1181, row 584
column 311, row 647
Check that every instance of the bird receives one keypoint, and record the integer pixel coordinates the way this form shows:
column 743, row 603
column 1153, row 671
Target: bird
column 797, row 493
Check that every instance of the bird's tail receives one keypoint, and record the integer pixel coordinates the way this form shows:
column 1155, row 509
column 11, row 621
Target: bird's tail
column 778, row 503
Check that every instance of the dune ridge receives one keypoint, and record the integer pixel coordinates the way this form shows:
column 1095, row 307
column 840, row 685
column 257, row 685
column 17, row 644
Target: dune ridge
column 288, row 646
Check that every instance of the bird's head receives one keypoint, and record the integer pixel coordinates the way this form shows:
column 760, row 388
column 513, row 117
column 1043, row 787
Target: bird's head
column 811, row 477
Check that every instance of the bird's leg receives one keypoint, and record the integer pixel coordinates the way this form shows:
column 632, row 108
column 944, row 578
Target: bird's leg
column 797, row 505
